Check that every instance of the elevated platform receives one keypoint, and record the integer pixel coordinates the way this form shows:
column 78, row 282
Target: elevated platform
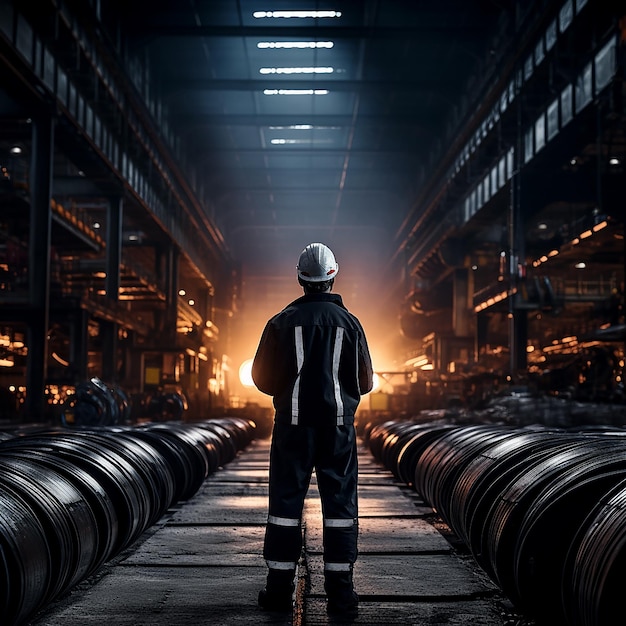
column 202, row 563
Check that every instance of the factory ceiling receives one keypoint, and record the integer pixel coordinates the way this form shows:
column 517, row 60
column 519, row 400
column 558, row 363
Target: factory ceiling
column 318, row 126
column 371, row 126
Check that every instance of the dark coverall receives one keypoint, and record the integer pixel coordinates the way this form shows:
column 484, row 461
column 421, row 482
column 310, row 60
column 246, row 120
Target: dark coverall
column 314, row 360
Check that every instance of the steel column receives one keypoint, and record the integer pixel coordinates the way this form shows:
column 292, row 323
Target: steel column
column 39, row 264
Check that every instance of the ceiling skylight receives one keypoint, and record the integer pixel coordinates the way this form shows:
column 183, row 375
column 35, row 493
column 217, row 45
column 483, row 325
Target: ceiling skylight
column 296, row 70
column 296, row 14
column 294, row 44
column 303, row 127
column 295, row 92
column 296, row 142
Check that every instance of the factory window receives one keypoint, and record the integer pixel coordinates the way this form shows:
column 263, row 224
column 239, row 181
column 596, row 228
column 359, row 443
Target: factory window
column 604, row 65
column 494, row 179
column 528, row 145
column 24, row 39
column 106, row 142
column 539, row 52
column 583, row 88
column 566, row 14
column 503, row 102
column 580, row 4
column 540, row 132
column 566, row 105
column 62, row 85
column 528, row 67
column 486, row 189
column 80, row 109
column 114, row 154
column 89, row 120
column 510, row 162
column 502, row 172
column 48, row 69
column 550, row 35
column 552, row 120
column 71, row 98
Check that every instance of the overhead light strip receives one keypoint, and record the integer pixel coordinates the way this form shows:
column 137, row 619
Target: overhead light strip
column 293, row 142
column 296, row 70
column 264, row 45
column 303, row 127
column 295, row 92
column 296, row 14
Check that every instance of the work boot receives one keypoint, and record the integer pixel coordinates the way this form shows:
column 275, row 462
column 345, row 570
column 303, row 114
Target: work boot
column 342, row 599
column 278, row 592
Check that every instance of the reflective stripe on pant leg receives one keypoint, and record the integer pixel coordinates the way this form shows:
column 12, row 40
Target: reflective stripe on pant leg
column 281, row 565
column 282, row 521
column 283, row 541
column 340, row 540
column 337, row 567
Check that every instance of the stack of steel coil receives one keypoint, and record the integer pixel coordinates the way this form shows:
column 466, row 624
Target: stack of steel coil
column 542, row 510
column 72, row 499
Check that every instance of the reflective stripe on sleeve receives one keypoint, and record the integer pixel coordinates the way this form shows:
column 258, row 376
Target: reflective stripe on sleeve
column 299, row 362
column 283, row 521
column 337, row 567
column 339, row 523
column 336, row 360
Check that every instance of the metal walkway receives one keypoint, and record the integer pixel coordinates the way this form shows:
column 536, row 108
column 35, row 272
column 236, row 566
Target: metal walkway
column 202, row 563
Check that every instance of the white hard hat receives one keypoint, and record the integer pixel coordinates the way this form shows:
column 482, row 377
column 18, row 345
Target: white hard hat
column 317, row 264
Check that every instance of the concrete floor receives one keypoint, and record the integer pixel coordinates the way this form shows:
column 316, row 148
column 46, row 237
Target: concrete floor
column 202, row 564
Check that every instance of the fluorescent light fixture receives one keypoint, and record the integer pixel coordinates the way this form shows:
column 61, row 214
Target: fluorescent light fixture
column 296, row 70
column 303, row 127
column 295, row 92
column 308, row 142
column 297, row 14
column 294, row 44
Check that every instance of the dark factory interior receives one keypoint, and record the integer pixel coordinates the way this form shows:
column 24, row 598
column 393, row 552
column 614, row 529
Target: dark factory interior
column 163, row 169
column 163, row 165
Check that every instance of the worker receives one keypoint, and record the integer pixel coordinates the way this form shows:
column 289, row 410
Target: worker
column 314, row 360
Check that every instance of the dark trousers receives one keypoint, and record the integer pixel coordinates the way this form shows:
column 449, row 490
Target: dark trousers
column 296, row 451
